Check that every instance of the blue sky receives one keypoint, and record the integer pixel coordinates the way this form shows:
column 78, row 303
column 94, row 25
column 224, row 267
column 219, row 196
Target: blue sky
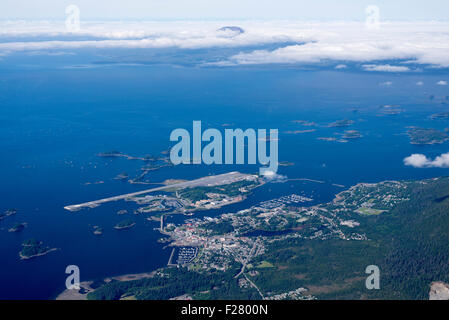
column 226, row 9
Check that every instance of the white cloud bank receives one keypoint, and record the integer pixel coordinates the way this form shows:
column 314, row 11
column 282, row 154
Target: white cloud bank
column 425, row 43
column 179, row 34
column 341, row 66
column 421, row 161
column 420, row 43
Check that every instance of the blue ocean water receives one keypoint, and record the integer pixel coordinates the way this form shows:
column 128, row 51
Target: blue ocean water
column 56, row 115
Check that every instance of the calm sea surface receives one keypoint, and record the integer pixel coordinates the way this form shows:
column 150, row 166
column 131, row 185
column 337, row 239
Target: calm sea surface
column 54, row 120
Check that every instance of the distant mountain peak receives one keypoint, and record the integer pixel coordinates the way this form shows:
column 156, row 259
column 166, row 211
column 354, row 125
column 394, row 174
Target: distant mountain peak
column 230, row 31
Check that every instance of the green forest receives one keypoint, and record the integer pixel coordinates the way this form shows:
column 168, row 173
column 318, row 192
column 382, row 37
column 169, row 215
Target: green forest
column 409, row 243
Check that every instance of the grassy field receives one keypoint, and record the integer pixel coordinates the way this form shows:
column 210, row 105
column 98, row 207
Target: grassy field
column 369, row 211
column 264, row 265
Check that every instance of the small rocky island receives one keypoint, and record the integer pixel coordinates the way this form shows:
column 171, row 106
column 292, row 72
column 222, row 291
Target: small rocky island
column 33, row 248
column 352, row 134
column 122, row 176
column 151, row 163
column 18, row 227
column 341, row 123
column 440, row 115
column 125, row 224
column 7, row 213
column 422, row 136
column 391, row 110
column 98, row 231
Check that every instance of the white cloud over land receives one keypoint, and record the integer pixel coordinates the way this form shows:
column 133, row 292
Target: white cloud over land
column 418, row 160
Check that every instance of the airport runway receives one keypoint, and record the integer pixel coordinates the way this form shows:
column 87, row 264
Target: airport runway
column 220, row 179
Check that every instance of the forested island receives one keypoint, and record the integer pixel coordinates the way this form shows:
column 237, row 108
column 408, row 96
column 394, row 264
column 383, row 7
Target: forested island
column 98, row 231
column 341, row 123
column 7, row 213
column 125, row 224
column 33, row 248
column 422, row 136
column 18, row 227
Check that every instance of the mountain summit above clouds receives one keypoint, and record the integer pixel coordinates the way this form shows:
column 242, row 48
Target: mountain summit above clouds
column 230, row 31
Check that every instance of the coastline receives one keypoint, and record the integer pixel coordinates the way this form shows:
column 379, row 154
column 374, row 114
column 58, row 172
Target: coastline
column 73, row 294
